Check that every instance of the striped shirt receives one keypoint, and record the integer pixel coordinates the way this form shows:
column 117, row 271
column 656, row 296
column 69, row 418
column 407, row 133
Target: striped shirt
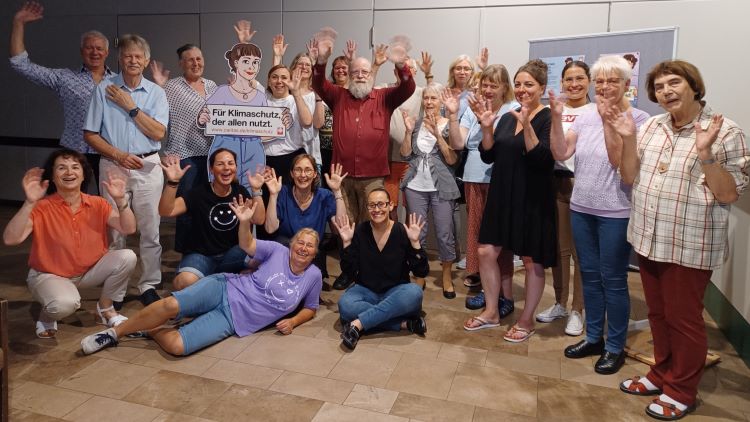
column 74, row 90
column 675, row 217
column 186, row 139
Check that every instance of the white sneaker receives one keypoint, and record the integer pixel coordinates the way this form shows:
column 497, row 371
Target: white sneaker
column 461, row 265
column 552, row 313
column 574, row 327
column 95, row 342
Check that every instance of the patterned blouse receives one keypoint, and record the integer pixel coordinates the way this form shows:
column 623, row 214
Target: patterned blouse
column 186, row 139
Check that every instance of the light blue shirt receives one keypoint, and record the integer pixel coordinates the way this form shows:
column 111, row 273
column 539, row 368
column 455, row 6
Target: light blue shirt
column 476, row 170
column 115, row 125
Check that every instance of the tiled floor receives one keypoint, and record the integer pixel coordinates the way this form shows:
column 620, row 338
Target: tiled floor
column 449, row 375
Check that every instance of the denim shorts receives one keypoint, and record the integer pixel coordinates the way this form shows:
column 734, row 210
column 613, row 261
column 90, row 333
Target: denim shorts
column 207, row 302
column 231, row 261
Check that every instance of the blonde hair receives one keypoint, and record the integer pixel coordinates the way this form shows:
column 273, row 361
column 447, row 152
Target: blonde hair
column 454, row 63
column 307, row 231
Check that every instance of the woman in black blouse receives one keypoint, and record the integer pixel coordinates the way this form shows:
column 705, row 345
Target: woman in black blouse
column 378, row 255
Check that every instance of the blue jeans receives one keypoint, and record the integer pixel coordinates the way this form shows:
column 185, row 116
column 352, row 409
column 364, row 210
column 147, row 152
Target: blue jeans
column 231, row 261
column 207, row 302
column 193, row 177
column 603, row 253
column 380, row 311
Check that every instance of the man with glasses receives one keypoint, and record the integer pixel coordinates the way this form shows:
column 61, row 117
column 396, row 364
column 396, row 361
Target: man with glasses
column 361, row 123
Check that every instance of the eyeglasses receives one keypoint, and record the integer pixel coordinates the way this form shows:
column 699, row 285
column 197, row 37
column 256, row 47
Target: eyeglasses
column 379, row 205
column 463, row 68
column 610, row 81
column 300, row 171
column 364, row 73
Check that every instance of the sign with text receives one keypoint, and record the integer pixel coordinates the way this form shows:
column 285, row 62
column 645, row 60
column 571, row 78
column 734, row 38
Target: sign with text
column 239, row 120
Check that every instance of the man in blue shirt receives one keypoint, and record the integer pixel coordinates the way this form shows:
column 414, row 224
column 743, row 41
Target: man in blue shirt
column 72, row 87
column 126, row 120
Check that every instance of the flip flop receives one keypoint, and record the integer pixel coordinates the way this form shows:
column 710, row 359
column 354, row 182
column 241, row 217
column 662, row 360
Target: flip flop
column 509, row 335
column 482, row 324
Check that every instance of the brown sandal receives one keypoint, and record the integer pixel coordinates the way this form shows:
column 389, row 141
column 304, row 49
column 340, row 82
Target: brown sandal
column 637, row 388
column 669, row 412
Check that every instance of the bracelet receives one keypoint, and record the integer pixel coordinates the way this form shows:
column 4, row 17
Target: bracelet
column 173, row 183
column 254, row 194
column 122, row 208
column 339, row 197
column 707, row 162
column 428, row 75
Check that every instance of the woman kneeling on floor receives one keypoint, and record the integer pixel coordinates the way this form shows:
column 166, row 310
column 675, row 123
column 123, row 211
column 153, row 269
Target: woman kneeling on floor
column 378, row 255
column 226, row 304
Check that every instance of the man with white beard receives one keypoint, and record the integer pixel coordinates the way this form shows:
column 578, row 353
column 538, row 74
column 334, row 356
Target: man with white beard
column 361, row 122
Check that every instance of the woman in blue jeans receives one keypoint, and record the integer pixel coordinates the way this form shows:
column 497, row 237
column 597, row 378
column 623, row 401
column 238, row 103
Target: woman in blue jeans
column 600, row 209
column 378, row 255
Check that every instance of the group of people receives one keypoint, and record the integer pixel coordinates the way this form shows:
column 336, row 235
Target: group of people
column 581, row 179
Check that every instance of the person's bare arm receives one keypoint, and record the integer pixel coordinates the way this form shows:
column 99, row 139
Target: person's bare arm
column 31, row 11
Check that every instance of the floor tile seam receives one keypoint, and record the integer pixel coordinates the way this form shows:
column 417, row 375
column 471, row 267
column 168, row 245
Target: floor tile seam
column 59, row 383
column 299, row 395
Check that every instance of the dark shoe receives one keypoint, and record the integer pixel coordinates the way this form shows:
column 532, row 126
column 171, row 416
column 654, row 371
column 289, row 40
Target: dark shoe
column 475, row 302
column 507, row 307
column 342, row 282
column 449, row 295
column 148, row 297
column 118, row 305
column 350, row 337
column 583, row 349
column 417, row 326
column 609, row 363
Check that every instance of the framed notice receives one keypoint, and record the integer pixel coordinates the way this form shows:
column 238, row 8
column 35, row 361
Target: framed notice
column 245, row 121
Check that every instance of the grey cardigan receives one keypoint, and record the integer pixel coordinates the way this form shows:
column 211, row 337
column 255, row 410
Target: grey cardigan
column 441, row 172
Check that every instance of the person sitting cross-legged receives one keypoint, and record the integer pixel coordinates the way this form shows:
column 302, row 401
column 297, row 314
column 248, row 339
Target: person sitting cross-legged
column 378, row 255
column 226, row 304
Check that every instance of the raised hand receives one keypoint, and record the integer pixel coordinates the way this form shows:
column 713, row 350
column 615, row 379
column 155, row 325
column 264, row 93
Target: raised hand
column 335, row 178
column 345, row 229
column 171, row 166
column 556, row 104
column 379, row 54
column 294, row 82
column 450, row 101
column 523, row 117
column 409, row 121
column 323, row 44
column 430, row 123
column 115, row 185
column 279, row 48
column 350, row 52
column 414, row 228
column 33, row 186
column 244, row 30
column 426, row 64
column 604, row 105
column 272, row 183
column 256, row 180
column 243, row 208
column 30, row 11
column 704, row 139
column 159, row 73
column 622, row 123
column 398, row 55
column 118, row 96
column 312, row 50
column 483, row 110
column 483, row 58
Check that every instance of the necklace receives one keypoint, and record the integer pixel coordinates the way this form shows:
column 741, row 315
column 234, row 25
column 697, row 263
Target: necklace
column 217, row 193
column 244, row 93
column 297, row 198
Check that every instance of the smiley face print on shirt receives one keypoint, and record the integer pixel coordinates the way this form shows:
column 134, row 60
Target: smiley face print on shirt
column 222, row 218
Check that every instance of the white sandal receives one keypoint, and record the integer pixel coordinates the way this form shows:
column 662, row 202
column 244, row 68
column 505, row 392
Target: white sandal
column 46, row 329
column 111, row 322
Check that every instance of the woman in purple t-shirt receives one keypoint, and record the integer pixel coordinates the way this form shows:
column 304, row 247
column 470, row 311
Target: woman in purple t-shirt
column 600, row 210
column 226, row 304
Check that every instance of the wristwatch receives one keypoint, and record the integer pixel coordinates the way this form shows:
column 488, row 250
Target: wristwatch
column 134, row 112
column 253, row 193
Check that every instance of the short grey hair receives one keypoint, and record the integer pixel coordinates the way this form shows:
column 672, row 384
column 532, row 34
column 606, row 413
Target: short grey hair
column 134, row 40
column 95, row 34
column 612, row 64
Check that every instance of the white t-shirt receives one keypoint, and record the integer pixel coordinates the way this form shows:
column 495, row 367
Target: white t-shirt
column 293, row 140
column 569, row 116
column 310, row 138
column 422, row 181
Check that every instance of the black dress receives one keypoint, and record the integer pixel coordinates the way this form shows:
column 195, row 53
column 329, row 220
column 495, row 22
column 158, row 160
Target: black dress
column 520, row 214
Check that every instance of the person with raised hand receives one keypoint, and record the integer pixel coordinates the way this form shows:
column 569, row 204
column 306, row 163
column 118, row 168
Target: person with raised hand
column 69, row 236
column 378, row 255
column 72, row 87
column 600, row 210
column 284, row 290
column 706, row 169
column 465, row 133
column 576, row 78
column 212, row 246
column 361, row 118
column 304, row 204
column 519, row 216
column 429, row 184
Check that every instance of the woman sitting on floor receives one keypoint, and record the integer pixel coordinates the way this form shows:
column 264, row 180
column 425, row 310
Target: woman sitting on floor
column 378, row 255
column 226, row 304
